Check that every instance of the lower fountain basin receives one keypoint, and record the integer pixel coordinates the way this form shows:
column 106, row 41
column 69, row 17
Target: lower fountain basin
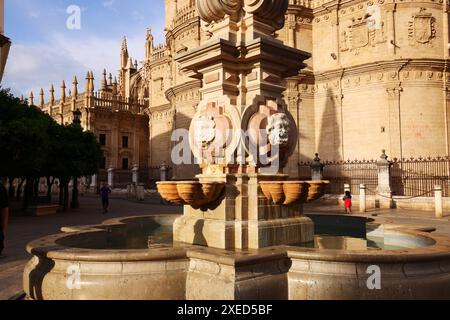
column 135, row 258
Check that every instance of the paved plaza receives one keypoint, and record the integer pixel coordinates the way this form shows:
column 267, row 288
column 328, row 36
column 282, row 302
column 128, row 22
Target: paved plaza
column 25, row 229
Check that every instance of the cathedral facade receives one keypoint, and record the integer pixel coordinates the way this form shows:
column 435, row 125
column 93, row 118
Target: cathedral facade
column 377, row 79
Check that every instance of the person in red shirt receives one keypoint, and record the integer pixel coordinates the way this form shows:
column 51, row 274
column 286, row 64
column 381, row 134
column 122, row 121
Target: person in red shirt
column 348, row 202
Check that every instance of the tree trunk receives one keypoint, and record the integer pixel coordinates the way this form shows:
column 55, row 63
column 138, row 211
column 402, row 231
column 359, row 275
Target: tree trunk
column 11, row 190
column 61, row 193
column 19, row 189
column 75, row 203
column 37, row 181
column 66, row 196
column 50, row 182
column 28, row 192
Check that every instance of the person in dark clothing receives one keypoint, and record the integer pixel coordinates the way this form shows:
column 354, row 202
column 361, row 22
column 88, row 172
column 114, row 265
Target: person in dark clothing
column 105, row 191
column 4, row 215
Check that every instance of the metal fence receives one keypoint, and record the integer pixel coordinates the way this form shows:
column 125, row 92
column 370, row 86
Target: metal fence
column 413, row 177
column 417, row 177
column 349, row 172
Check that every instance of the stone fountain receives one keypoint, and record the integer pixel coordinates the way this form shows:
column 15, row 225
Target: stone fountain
column 242, row 134
column 243, row 225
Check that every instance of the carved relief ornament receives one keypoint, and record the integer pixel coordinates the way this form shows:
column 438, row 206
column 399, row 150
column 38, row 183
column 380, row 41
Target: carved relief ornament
column 271, row 11
column 422, row 27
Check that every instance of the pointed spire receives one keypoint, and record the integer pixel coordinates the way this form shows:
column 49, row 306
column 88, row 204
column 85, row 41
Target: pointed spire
column 52, row 95
column 130, row 63
column 41, row 99
column 110, row 79
column 149, row 44
column 88, row 79
column 63, row 91
column 124, row 54
column 124, row 44
column 91, row 83
column 75, row 88
column 31, row 99
column 22, row 99
column 115, row 87
column 104, row 81
column 135, row 64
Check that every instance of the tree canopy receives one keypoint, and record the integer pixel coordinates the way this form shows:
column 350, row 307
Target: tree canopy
column 33, row 145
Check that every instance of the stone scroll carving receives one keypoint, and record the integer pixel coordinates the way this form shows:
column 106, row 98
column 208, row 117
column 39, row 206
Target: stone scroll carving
column 270, row 11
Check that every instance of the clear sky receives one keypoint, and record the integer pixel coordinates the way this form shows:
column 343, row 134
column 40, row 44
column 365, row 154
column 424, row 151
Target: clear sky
column 44, row 50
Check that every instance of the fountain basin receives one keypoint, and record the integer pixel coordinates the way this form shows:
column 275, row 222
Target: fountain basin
column 94, row 263
column 292, row 192
column 192, row 193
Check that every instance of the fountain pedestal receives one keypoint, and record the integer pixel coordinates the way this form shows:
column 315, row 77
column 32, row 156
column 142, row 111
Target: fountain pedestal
column 243, row 133
column 243, row 218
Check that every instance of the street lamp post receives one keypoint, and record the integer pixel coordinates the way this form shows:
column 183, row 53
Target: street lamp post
column 75, row 204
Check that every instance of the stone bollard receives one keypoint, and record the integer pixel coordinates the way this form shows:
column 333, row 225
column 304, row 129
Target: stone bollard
column 362, row 198
column 94, row 184
column 438, row 201
column 135, row 173
column 111, row 177
column 140, row 192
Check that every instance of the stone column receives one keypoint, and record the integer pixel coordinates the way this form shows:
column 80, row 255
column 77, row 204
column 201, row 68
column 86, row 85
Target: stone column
column 111, row 177
column 292, row 26
column 135, row 171
column 395, row 129
column 384, row 182
column 362, row 198
column 439, row 206
column 317, row 169
column 445, row 34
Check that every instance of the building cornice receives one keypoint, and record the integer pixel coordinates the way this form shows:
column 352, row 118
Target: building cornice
column 381, row 66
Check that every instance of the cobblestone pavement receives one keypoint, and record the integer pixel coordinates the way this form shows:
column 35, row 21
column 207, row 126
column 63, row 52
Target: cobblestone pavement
column 22, row 230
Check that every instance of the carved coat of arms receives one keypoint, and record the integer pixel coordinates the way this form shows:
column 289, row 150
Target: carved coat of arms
column 360, row 34
column 422, row 27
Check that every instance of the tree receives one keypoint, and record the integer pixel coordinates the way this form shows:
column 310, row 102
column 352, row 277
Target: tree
column 33, row 146
column 23, row 141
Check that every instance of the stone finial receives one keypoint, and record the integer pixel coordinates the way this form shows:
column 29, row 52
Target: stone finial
column 31, row 99
column 63, row 91
column 104, row 81
column 115, row 87
column 383, row 160
column 41, row 99
column 270, row 11
column 52, row 95
column 136, row 64
column 110, row 79
column 88, row 79
column 91, row 82
column 75, row 88
column 22, row 99
column 317, row 168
